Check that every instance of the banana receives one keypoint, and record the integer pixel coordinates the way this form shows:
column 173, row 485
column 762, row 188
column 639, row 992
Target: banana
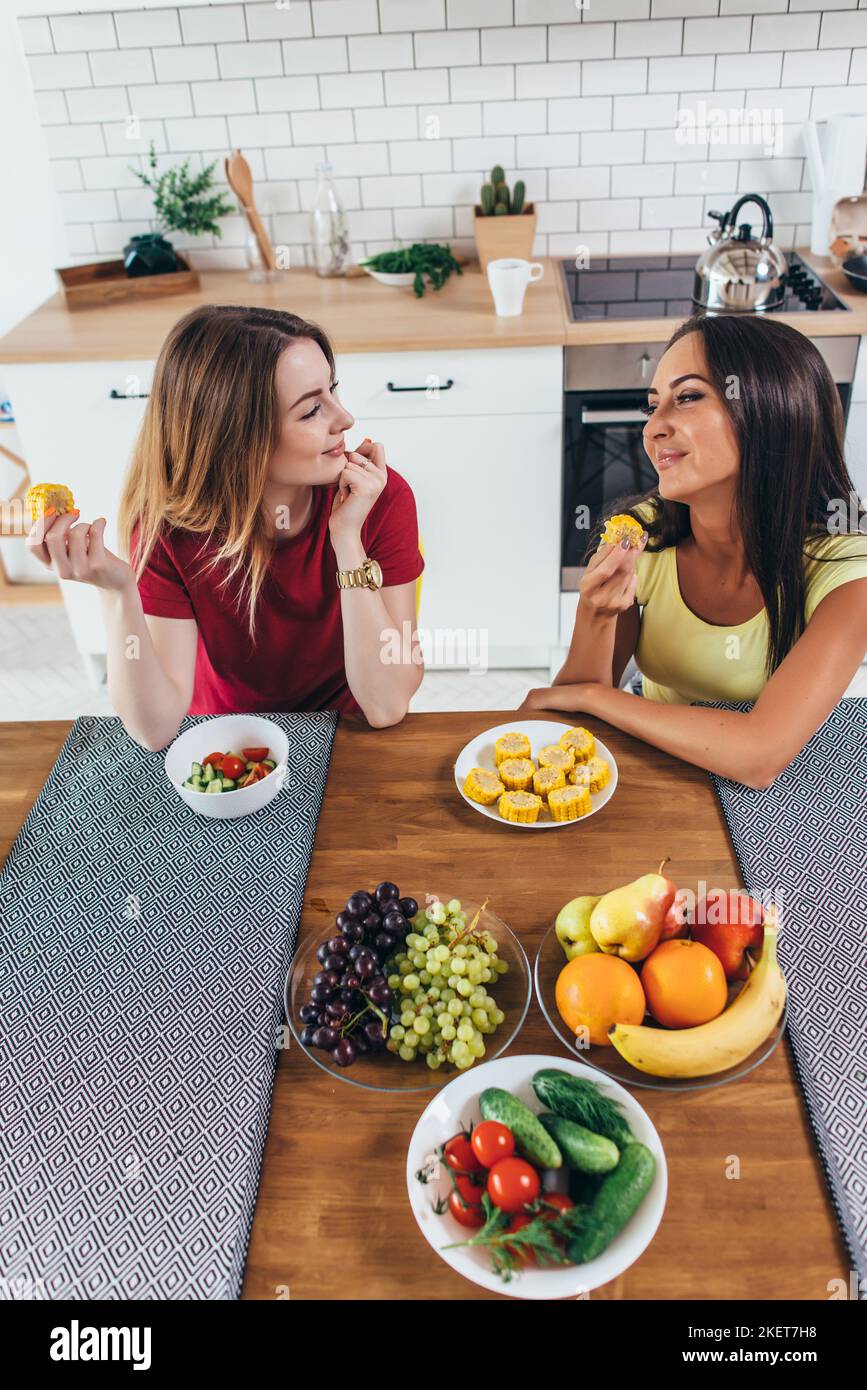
column 725, row 1040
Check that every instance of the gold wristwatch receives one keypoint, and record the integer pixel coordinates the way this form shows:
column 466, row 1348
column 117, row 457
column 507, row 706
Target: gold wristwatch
column 369, row 576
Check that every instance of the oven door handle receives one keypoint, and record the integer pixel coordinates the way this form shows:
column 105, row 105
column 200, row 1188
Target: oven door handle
column 612, row 417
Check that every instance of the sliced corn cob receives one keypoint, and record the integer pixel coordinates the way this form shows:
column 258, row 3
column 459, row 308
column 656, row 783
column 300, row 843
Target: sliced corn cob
column 516, row 774
column 621, row 528
column 600, row 773
column 581, row 741
column 556, row 756
column 482, row 786
column 569, row 803
column 511, row 746
column 42, row 495
column 547, row 779
column 521, row 807
column 580, row 775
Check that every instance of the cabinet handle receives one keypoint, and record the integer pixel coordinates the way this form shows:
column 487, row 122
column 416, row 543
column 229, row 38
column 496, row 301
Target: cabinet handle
column 612, row 417
column 447, row 387
column 114, row 395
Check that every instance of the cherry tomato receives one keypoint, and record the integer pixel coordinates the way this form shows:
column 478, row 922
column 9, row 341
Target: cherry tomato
column 558, row 1200
column 492, row 1141
column 254, row 755
column 465, row 1216
column 469, row 1190
column 458, row 1154
column 232, row 766
column 216, row 759
column 521, row 1252
column 512, row 1183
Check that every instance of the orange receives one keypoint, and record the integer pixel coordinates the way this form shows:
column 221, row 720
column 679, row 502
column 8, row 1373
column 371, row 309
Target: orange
column 684, row 983
column 597, row 991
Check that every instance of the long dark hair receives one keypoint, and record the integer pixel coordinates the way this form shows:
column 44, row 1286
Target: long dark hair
column 788, row 422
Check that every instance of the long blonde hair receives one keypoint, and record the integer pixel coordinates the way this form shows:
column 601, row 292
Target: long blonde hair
column 210, row 428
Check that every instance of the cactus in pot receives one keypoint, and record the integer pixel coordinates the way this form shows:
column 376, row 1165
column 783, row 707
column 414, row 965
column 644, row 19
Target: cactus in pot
column 505, row 223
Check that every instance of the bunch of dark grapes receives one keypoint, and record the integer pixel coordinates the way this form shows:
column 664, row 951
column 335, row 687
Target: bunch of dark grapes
column 350, row 995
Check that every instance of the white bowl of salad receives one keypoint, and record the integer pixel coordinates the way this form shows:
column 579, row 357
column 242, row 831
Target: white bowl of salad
column 230, row 766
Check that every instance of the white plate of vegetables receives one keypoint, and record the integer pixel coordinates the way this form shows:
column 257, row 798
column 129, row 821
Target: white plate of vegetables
column 209, row 767
column 536, row 1177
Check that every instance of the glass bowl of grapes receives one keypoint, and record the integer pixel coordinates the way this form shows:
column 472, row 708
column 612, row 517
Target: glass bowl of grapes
column 404, row 993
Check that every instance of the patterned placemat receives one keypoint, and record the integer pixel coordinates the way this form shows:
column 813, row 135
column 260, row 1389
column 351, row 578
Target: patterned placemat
column 142, row 958
column 804, row 838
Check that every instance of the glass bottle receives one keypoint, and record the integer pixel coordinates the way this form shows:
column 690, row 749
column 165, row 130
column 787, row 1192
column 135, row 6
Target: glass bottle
column 329, row 228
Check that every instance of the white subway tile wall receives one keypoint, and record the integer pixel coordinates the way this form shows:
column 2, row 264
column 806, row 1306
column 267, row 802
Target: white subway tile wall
column 604, row 109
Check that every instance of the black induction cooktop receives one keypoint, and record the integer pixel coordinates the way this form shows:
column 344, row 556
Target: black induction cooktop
column 654, row 287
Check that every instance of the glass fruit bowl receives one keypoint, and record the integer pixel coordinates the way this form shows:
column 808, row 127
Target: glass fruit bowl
column 551, row 959
column 374, row 1067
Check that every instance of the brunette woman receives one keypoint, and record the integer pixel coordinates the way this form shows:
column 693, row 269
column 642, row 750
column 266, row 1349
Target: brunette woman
column 750, row 583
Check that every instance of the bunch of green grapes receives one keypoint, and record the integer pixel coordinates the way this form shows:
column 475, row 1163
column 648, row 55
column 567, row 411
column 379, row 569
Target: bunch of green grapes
column 443, row 1008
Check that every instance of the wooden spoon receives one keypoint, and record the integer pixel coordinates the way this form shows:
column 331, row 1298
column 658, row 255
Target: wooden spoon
column 240, row 180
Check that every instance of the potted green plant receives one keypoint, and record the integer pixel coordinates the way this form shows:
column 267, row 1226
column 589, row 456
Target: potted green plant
column 504, row 224
column 182, row 203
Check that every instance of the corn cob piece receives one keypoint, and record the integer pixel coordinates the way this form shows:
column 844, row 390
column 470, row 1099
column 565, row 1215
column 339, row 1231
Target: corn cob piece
column 482, row 786
column 556, row 756
column 511, row 746
column 516, row 774
column 569, row 803
column 580, row 775
column 548, row 779
column 43, row 495
column 621, row 528
column 600, row 773
column 522, row 808
column 581, row 741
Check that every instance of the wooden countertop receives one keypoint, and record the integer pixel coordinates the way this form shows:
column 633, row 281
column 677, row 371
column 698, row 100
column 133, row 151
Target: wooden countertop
column 332, row 1218
column 360, row 315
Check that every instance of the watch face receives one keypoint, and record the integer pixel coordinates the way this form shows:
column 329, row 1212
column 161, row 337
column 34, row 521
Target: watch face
column 375, row 574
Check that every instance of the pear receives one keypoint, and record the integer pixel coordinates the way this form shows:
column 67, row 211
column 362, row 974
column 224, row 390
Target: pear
column 572, row 927
column 628, row 921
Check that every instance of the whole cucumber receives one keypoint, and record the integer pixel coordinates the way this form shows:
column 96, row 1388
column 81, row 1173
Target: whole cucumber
column 576, row 1098
column 617, row 1200
column 580, row 1147
column 534, row 1142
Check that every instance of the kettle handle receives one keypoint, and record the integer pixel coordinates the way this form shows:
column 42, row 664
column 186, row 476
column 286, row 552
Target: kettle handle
column 768, row 221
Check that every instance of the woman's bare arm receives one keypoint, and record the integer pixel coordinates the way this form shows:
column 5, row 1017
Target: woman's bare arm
column 151, row 667
column 754, row 747
column 601, row 632
column 375, row 624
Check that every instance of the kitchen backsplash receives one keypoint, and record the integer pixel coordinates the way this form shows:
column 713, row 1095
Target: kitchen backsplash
column 625, row 118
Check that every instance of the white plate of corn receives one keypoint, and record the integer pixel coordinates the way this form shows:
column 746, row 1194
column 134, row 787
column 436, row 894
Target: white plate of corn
column 536, row 774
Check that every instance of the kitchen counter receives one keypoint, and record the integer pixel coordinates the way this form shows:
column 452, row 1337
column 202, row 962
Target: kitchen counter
column 332, row 1217
column 358, row 313
column 361, row 315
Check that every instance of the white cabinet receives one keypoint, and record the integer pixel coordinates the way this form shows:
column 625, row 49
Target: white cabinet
column 487, row 491
column 482, row 455
column 72, row 431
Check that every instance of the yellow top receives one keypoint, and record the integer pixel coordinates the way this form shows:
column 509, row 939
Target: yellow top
column 683, row 658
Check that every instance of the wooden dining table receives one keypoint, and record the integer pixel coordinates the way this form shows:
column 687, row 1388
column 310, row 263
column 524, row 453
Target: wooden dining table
column 747, row 1215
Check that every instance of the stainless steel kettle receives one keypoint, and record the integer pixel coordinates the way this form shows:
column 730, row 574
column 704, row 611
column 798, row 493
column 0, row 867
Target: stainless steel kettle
column 739, row 272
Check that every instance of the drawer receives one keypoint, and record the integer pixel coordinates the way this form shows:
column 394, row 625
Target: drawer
column 495, row 381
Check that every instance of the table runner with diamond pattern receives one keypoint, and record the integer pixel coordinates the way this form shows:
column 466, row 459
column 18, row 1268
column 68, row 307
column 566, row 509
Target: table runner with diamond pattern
column 805, row 837
column 143, row 950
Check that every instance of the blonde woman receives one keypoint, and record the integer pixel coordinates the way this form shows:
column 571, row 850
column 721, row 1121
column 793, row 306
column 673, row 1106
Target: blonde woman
column 746, row 585
column 268, row 562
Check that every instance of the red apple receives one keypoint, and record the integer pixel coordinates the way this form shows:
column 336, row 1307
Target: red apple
column 730, row 924
column 676, row 920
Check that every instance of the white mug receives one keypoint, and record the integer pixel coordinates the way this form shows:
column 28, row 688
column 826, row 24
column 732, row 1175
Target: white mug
column 508, row 279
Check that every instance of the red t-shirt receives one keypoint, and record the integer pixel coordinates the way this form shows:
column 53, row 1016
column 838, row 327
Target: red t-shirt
column 297, row 660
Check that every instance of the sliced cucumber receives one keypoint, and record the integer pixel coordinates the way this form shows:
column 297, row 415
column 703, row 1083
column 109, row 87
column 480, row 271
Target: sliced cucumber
column 269, row 762
column 229, row 784
column 215, row 785
column 209, row 774
column 196, row 770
